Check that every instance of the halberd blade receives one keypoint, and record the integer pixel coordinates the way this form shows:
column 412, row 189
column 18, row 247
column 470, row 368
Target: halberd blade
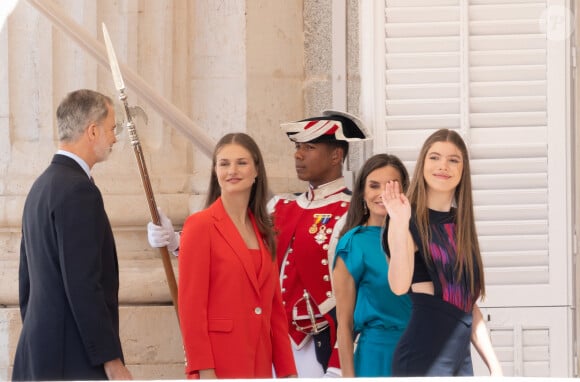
column 115, row 70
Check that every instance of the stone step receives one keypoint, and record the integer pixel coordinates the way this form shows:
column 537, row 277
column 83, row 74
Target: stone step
column 150, row 338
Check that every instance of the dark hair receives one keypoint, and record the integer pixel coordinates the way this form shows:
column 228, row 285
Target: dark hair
column 77, row 110
column 468, row 253
column 356, row 212
column 259, row 193
column 343, row 145
column 331, row 145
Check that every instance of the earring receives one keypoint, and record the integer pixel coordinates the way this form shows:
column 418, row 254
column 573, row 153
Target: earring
column 365, row 208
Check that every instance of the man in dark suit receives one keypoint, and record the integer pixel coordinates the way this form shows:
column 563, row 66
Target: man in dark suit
column 68, row 286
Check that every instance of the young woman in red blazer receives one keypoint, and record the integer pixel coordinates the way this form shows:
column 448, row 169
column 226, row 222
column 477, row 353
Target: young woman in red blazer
column 230, row 307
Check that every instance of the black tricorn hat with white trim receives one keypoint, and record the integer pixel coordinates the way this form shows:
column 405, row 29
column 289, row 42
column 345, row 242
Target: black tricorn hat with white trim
column 332, row 126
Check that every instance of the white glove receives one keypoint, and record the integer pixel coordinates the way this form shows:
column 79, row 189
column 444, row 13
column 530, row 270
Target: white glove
column 163, row 235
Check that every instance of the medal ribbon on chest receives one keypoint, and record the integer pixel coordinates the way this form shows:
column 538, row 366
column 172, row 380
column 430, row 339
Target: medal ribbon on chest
column 318, row 228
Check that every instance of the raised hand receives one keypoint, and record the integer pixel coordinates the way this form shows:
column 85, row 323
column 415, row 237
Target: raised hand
column 396, row 203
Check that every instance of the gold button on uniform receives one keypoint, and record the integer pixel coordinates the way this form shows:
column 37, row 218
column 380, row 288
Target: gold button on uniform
column 258, row 310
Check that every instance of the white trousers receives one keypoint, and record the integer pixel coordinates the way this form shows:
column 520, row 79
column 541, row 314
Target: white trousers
column 306, row 363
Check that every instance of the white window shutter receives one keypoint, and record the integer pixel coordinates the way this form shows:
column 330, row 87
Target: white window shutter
column 485, row 69
column 490, row 70
column 530, row 342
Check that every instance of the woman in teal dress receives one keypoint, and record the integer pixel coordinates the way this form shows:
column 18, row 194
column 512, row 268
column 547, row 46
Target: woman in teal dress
column 365, row 305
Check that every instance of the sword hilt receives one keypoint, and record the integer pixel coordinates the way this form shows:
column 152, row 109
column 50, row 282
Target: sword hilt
column 310, row 311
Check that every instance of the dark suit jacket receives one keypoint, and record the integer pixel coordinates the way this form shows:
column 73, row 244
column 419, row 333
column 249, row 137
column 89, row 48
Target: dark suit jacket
column 68, row 279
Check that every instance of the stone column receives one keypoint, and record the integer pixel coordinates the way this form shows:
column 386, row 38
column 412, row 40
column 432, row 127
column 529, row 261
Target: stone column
column 275, row 84
column 318, row 32
column 230, row 65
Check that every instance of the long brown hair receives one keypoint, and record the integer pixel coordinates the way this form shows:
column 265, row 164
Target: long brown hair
column 259, row 193
column 356, row 214
column 468, row 253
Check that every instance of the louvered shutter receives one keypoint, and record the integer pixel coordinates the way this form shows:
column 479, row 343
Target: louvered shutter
column 530, row 342
column 485, row 69
column 491, row 70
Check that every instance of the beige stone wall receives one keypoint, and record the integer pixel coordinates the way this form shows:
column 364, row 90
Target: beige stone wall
column 229, row 65
column 40, row 64
column 318, row 32
column 275, row 76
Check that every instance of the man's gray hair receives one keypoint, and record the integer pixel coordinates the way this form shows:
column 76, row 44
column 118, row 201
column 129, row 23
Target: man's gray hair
column 77, row 110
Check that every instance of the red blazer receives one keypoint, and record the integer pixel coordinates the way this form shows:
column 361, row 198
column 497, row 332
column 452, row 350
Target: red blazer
column 232, row 320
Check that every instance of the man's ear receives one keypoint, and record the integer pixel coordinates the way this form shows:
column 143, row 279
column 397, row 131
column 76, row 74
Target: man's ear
column 91, row 131
column 337, row 155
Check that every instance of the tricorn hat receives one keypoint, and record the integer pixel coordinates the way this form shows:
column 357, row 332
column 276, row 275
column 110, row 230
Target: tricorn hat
column 332, row 126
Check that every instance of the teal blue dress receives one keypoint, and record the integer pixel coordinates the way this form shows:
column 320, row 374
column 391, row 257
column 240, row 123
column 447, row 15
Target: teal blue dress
column 380, row 316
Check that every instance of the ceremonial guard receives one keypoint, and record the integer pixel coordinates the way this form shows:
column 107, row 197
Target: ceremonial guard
column 305, row 224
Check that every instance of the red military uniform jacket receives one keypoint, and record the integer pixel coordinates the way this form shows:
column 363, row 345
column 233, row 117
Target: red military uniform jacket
column 305, row 225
